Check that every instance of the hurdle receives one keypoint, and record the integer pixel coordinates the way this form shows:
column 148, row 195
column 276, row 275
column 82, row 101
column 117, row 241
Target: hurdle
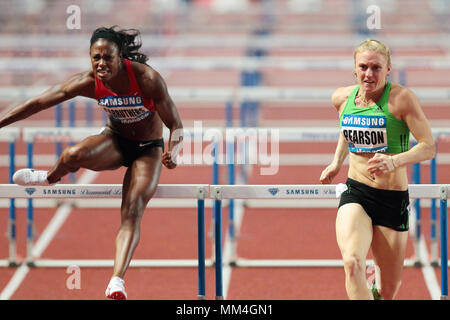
column 68, row 134
column 285, row 135
column 57, row 135
column 11, row 135
column 222, row 192
column 64, row 191
column 438, row 133
column 314, row 134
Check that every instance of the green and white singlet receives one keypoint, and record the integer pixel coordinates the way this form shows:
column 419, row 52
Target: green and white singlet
column 373, row 129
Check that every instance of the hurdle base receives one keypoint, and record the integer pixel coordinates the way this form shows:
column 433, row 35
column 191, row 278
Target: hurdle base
column 107, row 263
column 13, row 264
column 435, row 264
column 201, row 297
column 444, row 297
column 418, row 264
column 31, row 264
column 219, row 298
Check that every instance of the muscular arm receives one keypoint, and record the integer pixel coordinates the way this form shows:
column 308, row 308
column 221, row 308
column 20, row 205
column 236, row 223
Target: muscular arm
column 340, row 155
column 154, row 86
column 411, row 112
column 406, row 106
column 338, row 99
column 81, row 84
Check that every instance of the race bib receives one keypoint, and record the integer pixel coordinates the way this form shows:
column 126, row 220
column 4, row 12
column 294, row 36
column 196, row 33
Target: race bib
column 124, row 109
column 365, row 133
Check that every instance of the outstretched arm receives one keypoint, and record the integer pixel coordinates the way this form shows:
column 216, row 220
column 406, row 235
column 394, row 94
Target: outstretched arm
column 81, row 84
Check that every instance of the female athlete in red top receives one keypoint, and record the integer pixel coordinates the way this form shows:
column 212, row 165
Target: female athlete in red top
column 136, row 99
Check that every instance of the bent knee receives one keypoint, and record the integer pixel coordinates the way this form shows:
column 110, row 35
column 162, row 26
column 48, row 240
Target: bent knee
column 390, row 289
column 75, row 154
column 354, row 266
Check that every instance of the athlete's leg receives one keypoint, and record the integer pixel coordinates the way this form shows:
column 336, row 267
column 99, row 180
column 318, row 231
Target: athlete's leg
column 98, row 152
column 388, row 249
column 354, row 236
column 139, row 185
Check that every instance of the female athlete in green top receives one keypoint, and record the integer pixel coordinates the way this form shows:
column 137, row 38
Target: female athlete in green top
column 376, row 117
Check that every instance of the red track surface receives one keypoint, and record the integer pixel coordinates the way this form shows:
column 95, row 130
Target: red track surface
column 170, row 233
column 275, row 233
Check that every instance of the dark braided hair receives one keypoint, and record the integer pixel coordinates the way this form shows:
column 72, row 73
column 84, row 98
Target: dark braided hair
column 127, row 40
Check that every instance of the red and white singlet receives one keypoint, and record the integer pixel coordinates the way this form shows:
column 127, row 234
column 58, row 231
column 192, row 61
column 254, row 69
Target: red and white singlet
column 127, row 108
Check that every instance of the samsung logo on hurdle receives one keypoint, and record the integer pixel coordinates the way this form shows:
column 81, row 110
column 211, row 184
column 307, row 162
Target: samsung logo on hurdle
column 59, row 192
column 294, row 192
column 302, row 191
column 30, row 191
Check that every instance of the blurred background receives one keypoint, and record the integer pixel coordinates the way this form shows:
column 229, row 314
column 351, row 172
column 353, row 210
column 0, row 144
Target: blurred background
column 242, row 63
column 220, row 44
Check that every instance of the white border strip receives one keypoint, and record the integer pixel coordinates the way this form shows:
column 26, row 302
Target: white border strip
column 287, row 263
column 106, row 263
column 91, row 191
column 190, row 191
column 422, row 191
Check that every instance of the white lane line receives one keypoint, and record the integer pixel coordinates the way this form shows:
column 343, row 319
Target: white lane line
column 229, row 251
column 420, row 249
column 428, row 271
column 44, row 240
column 230, row 246
column 15, row 282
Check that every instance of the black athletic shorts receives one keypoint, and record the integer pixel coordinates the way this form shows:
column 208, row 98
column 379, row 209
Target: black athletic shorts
column 131, row 149
column 388, row 208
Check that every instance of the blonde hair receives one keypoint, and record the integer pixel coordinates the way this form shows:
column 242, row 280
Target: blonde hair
column 373, row 45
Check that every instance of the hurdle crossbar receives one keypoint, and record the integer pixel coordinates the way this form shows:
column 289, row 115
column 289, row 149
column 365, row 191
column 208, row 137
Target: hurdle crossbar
column 11, row 135
column 79, row 191
column 219, row 193
column 65, row 191
column 222, row 192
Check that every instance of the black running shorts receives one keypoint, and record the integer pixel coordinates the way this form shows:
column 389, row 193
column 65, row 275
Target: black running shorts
column 388, row 208
column 131, row 149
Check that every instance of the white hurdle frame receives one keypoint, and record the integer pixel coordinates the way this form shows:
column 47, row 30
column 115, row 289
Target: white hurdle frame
column 223, row 192
column 71, row 134
column 11, row 135
column 79, row 191
column 220, row 193
column 65, row 191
